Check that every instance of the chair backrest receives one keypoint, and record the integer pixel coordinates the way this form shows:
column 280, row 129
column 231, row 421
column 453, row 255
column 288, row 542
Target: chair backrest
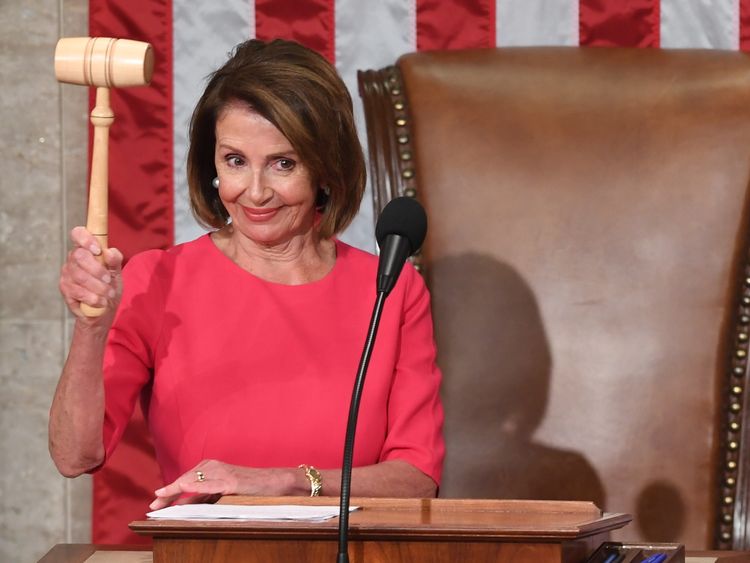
column 588, row 260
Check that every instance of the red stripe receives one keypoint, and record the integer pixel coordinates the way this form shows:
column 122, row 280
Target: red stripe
column 745, row 25
column 455, row 24
column 140, row 217
column 140, row 164
column 310, row 22
column 614, row 23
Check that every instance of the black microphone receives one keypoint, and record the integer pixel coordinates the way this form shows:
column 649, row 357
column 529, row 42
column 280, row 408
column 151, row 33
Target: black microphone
column 400, row 232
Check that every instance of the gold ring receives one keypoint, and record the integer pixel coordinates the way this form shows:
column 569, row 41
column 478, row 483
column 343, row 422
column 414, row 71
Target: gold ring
column 200, row 476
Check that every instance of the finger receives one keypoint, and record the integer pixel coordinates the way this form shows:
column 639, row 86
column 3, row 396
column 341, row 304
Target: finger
column 198, row 499
column 178, row 500
column 72, row 302
column 193, row 487
column 173, row 490
column 180, row 492
column 84, row 290
column 83, row 238
column 177, row 488
column 162, row 502
column 207, row 487
column 113, row 259
column 74, row 295
column 167, row 494
column 85, row 275
column 85, row 260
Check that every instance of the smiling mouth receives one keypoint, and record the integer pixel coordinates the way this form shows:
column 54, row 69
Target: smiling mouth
column 260, row 214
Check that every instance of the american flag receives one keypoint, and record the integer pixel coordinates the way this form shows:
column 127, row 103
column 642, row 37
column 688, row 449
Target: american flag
column 148, row 190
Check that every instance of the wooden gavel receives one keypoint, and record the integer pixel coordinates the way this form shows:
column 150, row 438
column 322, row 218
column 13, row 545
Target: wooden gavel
column 104, row 63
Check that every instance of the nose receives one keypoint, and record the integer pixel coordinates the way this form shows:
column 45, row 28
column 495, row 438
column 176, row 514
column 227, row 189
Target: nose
column 258, row 189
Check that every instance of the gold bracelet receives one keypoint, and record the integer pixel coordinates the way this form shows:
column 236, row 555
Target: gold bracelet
column 316, row 482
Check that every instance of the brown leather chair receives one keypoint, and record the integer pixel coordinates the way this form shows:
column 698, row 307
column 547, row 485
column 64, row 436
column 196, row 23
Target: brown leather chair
column 588, row 260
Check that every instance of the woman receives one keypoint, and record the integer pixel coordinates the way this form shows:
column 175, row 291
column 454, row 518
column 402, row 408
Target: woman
column 245, row 342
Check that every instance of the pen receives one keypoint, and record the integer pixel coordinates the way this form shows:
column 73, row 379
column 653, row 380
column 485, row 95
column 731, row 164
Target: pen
column 612, row 557
column 655, row 558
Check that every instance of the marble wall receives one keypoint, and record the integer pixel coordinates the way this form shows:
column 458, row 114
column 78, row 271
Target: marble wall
column 42, row 193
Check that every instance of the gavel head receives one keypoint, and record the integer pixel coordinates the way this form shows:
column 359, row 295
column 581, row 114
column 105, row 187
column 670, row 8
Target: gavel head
column 103, row 62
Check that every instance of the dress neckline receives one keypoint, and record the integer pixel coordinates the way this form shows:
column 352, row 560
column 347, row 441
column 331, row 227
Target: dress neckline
column 233, row 266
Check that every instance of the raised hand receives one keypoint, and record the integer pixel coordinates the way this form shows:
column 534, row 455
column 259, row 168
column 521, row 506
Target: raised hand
column 90, row 276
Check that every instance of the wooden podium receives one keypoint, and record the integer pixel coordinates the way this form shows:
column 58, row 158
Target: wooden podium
column 393, row 531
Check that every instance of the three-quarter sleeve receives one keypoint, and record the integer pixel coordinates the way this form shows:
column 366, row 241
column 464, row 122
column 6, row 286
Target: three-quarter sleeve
column 129, row 355
column 415, row 412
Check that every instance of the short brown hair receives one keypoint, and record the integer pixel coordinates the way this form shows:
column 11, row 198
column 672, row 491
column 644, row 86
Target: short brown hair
column 301, row 93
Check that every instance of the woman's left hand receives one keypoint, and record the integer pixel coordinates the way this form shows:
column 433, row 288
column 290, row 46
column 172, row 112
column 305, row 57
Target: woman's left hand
column 211, row 479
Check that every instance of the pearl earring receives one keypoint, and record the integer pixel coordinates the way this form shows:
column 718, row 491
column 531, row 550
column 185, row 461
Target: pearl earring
column 215, row 182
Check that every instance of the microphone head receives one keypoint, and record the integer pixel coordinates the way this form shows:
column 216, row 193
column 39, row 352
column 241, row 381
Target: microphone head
column 402, row 216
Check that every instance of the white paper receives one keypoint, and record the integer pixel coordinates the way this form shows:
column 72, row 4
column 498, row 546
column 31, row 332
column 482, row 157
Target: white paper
column 247, row 512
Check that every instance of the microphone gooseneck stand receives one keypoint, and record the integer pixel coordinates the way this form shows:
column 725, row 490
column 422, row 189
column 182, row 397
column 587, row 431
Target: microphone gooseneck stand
column 400, row 231
column 351, row 428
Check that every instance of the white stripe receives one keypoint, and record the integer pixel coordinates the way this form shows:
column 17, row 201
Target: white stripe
column 536, row 22
column 370, row 35
column 708, row 24
column 203, row 35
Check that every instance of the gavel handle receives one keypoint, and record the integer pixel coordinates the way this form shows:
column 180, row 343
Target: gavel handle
column 96, row 221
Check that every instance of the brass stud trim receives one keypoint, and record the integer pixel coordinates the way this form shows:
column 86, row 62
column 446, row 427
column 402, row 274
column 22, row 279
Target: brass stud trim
column 736, row 375
column 391, row 83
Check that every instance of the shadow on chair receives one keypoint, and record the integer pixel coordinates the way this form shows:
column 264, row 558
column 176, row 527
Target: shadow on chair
column 496, row 386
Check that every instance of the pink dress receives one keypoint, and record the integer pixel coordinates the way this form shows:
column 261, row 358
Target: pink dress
column 260, row 374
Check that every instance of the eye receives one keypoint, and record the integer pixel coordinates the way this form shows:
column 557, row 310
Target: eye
column 286, row 164
column 233, row 160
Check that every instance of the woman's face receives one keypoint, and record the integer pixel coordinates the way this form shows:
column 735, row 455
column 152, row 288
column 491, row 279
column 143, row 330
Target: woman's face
column 265, row 188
